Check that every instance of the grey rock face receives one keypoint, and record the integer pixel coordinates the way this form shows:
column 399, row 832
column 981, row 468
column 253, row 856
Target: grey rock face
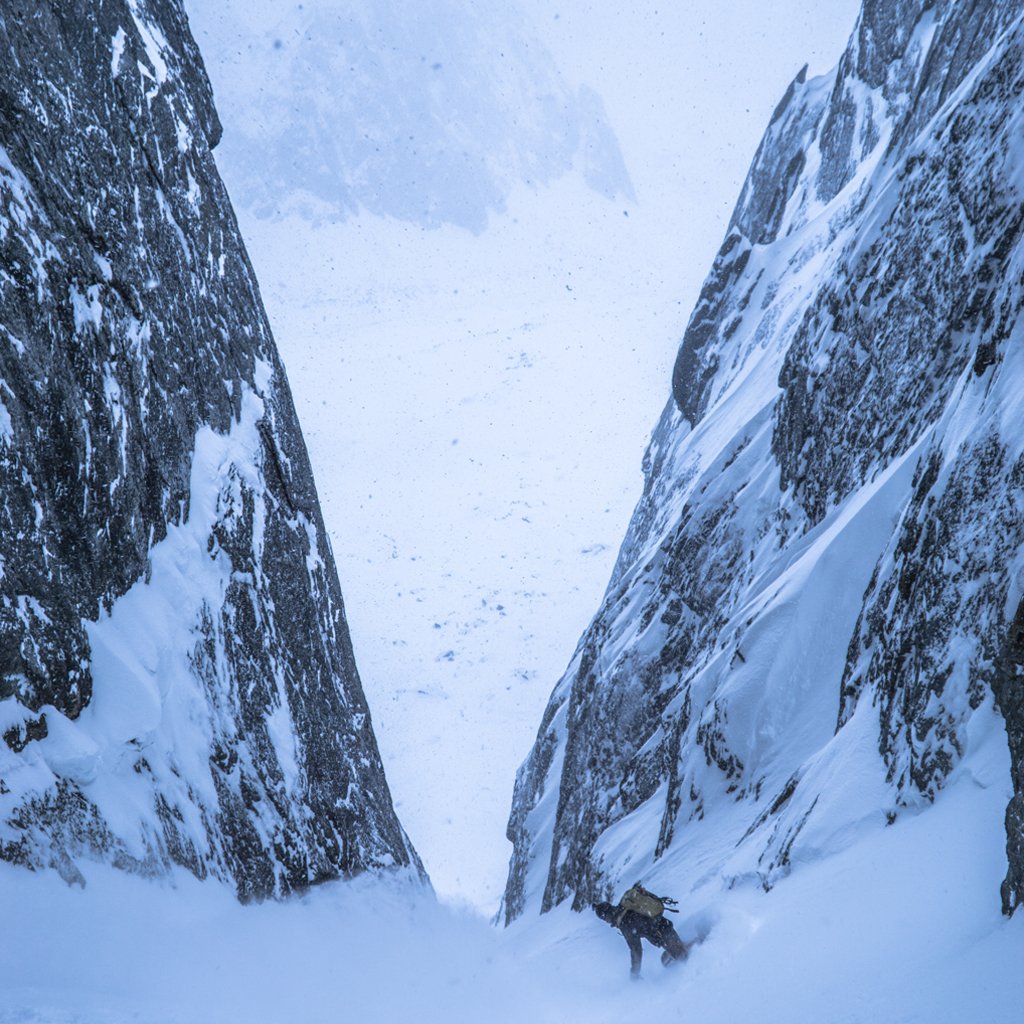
column 829, row 543
column 172, row 632
column 1009, row 686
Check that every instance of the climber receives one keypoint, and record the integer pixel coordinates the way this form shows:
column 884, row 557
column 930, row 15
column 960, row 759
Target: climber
column 641, row 915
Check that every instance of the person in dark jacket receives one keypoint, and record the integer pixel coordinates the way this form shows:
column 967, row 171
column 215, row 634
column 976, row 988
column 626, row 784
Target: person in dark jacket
column 658, row 931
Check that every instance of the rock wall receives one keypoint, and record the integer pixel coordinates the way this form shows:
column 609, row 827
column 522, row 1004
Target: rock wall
column 809, row 628
column 177, row 684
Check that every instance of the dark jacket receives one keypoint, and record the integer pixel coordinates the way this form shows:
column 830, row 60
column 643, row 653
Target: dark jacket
column 658, row 931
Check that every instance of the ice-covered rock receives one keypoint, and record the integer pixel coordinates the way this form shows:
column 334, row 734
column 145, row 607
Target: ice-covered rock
column 177, row 683
column 809, row 624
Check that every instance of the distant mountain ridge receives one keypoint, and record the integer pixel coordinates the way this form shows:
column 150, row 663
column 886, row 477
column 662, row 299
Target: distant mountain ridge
column 177, row 684
column 816, row 615
column 428, row 111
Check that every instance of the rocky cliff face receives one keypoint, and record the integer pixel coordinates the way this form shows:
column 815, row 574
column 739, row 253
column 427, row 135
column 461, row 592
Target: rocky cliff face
column 177, row 683
column 816, row 614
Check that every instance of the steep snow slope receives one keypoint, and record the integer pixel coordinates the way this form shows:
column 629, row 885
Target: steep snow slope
column 476, row 404
column 809, row 619
column 177, row 683
column 903, row 926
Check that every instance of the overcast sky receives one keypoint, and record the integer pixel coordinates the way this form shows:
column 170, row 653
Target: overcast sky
column 689, row 88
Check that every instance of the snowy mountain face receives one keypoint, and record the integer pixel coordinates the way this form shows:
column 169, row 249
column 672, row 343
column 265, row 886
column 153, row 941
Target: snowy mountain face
column 177, row 684
column 427, row 112
column 815, row 622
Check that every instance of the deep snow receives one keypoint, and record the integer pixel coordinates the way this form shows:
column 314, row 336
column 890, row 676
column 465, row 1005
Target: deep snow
column 902, row 926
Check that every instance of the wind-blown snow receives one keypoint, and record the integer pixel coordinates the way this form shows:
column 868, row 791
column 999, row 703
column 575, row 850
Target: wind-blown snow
column 904, row 925
column 428, row 112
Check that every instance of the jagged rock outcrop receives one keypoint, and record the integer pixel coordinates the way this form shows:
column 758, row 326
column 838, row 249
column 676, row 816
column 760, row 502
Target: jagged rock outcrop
column 815, row 612
column 177, row 683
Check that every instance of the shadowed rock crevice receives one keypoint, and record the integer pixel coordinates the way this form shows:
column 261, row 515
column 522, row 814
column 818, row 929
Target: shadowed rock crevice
column 1009, row 688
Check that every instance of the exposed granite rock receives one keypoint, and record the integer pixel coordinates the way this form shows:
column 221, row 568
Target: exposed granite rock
column 824, row 565
column 1009, row 685
column 132, row 341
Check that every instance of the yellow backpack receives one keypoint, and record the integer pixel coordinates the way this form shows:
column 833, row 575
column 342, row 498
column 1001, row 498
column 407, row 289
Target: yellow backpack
column 640, row 901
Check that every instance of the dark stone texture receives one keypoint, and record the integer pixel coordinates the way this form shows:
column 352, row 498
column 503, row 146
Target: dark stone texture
column 1009, row 688
column 937, row 591
column 896, row 323
column 697, row 361
column 129, row 319
column 778, row 163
